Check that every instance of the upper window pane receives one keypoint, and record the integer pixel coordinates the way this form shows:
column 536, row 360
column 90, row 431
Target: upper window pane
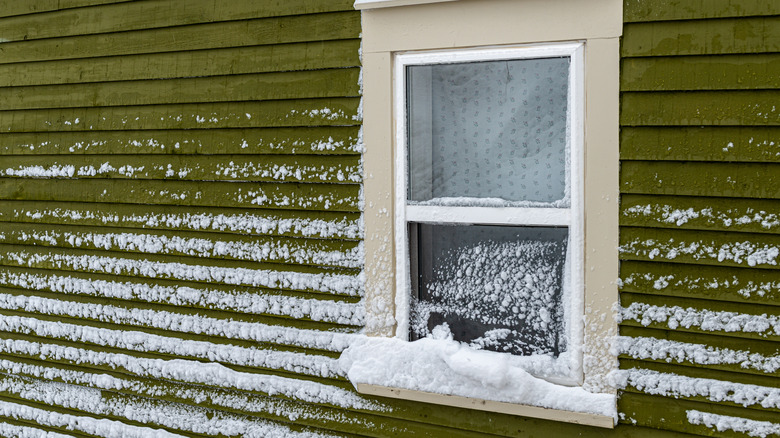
column 492, row 129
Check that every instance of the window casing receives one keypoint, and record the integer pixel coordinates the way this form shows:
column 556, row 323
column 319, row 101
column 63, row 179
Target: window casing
column 467, row 176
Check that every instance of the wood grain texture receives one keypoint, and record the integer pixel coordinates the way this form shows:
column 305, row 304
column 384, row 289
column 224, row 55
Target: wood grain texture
column 210, row 62
column 250, row 87
column 733, row 144
column 666, row 10
column 707, row 37
column 113, row 17
column 709, row 108
column 757, row 180
column 293, row 29
column 304, row 140
column 245, row 114
column 729, row 72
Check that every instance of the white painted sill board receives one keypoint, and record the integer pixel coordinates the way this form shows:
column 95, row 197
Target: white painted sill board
column 374, row 4
column 489, row 405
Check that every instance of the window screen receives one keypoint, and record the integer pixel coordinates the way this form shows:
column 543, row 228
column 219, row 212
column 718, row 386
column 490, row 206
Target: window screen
column 493, row 129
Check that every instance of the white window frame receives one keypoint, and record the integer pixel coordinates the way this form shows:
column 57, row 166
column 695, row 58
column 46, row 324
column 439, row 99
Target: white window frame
column 570, row 217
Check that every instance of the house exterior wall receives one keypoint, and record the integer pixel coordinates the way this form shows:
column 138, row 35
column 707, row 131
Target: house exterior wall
column 181, row 217
column 699, row 211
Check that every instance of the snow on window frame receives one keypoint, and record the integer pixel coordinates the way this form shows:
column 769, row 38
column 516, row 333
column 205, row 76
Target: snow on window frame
column 491, row 213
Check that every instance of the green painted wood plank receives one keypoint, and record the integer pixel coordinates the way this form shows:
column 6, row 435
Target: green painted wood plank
column 705, row 304
column 10, row 8
column 742, row 285
column 292, row 251
column 276, row 113
column 50, row 348
column 229, row 351
column 693, row 324
column 32, row 428
column 305, row 311
column 337, row 282
column 124, row 316
column 700, row 179
column 263, row 86
column 242, row 402
column 211, row 62
column 721, row 143
column 758, row 251
column 704, row 37
column 260, row 222
column 653, row 411
column 138, row 411
column 725, row 108
column 269, row 168
column 239, row 402
column 336, row 140
column 769, row 381
column 730, row 72
column 79, row 420
column 107, row 359
column 122, row 17
column 286, row 196
column 318, row 27
column 712, row 214
column 751, row 347
column 664, row 10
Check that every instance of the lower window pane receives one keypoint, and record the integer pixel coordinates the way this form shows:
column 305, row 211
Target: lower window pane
column 497, row 288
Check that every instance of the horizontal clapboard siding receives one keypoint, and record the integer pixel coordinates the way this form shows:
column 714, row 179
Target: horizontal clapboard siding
column 180, row 225
column 700, row 218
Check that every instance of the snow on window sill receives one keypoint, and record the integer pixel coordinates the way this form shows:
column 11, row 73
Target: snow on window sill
column 373, row 4
column 445, row 372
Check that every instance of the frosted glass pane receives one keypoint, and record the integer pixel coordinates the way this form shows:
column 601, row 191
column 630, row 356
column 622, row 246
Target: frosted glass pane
column 495, row 129
column 497, row 288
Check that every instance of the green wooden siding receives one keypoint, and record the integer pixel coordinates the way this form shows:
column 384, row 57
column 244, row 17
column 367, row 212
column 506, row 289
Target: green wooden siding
column 180, row 220
column 700, row 218
column 181, row 234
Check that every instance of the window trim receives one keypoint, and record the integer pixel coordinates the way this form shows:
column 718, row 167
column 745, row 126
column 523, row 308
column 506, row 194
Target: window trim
column 373, row 4
column 571, row 216
column 493, row 23
column 457, row 401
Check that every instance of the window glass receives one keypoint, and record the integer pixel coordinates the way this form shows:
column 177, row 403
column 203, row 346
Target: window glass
column 491, row 129
column 498, row 288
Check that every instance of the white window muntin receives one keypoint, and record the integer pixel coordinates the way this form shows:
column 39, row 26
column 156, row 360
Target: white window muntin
column 571, row 217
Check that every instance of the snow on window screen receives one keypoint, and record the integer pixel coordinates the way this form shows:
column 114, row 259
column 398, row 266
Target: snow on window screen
column 493, row 129
column 496, row 288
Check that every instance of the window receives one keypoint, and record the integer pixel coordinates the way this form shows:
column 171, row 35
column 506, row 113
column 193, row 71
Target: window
column 453, row 177
column 488, row 198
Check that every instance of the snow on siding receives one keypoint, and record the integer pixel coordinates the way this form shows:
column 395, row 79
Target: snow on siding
column 701, row 283
column 324, row 282
column 703, row 319
column 744, row 253
column 155, row 414
column 708, row 216
column 675, row 385
column 204, row 297
column 244, row 222
column 288, row 251
column 723, row 423
column 699, row 354
column 14, row 431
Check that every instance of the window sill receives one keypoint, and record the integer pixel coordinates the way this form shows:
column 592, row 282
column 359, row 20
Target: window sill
column 489, row 405
column 375, row 4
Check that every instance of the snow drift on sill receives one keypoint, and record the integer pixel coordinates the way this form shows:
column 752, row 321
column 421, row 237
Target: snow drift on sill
column 445, row 366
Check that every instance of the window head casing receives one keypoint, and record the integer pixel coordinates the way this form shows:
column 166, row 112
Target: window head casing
column 489, row 214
